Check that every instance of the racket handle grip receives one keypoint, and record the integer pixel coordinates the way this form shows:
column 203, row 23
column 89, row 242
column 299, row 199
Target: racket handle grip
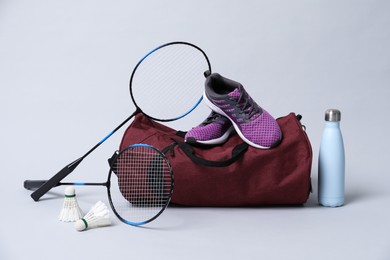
column 33, row 184
column 55, row 180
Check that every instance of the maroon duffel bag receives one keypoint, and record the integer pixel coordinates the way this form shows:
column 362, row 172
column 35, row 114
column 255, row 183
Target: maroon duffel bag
column 232, row 174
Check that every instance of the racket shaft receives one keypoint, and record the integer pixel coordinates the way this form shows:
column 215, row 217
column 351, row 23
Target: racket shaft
column 35, row 184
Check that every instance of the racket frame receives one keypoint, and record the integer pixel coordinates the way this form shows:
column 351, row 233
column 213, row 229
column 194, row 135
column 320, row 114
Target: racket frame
column 112, row 166
column 206, row 73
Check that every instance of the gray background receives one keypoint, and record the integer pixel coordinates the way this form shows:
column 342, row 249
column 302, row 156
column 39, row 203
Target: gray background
column 64, row 71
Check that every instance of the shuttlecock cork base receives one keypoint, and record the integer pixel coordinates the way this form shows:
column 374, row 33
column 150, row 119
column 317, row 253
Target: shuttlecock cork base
column 70, row 211
column 98, row 216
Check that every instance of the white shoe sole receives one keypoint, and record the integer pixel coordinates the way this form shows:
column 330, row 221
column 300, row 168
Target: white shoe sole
column 218, row 140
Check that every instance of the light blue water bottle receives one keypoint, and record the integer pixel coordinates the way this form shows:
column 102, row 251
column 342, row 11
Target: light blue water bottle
column 331, row 162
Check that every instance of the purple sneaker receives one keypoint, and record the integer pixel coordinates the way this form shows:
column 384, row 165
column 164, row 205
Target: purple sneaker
column 254, row 125
column 214, row 130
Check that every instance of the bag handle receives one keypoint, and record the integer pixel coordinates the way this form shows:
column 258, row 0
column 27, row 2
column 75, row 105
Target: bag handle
column 237, row 151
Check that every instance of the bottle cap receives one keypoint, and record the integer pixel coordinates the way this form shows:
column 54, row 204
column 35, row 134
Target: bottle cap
column 332, row 115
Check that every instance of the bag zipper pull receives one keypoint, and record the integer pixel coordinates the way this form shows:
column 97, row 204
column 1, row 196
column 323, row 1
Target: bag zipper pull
column 299, row 117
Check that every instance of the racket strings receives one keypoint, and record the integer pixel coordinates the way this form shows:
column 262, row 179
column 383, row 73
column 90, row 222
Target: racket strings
column 169, row 82
column 143, row 186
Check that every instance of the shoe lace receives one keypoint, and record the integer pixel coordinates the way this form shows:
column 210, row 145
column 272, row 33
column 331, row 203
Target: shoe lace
column 246, row 104
column 212, row 118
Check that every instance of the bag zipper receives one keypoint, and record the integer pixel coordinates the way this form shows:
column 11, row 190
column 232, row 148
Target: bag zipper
column 299, row 118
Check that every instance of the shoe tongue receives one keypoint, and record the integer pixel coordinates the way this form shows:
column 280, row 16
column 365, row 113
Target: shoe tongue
column 236, row 93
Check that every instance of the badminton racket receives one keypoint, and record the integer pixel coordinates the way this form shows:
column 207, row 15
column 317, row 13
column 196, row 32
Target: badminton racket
column 139, row 184
column 165, row 85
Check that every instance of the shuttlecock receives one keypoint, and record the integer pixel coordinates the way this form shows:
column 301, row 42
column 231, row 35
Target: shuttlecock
column 70, row 211
column 98, row 216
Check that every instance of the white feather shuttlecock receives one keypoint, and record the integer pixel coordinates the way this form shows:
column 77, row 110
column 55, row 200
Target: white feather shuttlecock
column 70, row 211
column 97, row 216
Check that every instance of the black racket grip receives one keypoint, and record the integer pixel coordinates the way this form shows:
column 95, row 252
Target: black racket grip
column 55, row 180
column 33, row 184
